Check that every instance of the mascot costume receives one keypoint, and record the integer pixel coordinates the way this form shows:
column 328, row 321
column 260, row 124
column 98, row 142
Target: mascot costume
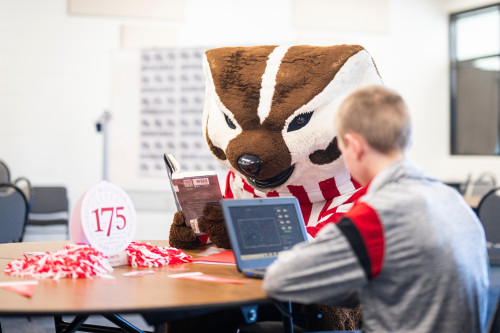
column 268, row 117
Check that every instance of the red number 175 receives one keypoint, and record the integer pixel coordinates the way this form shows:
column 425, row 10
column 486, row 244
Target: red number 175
column 112, row 211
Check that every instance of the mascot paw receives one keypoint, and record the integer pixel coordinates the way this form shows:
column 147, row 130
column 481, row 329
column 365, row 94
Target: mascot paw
column 212, row 222
column 182, row 236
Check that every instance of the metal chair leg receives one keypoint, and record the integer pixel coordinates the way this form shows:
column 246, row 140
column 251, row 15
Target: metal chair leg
column 122, row 323
column 288, row 320
column 75, row 324
column 78, row 324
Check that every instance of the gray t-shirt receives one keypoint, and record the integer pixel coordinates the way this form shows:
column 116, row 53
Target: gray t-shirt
column 411, row 248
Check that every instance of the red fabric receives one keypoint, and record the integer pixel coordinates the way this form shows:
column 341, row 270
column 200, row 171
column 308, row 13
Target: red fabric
column 358, row 194
column 306, row 211
column 367, row 222
column 249, row 189
column 329, row 188
column 300, row 193
column 335, row 216
column 355, row 183
column 204, row 238
column 312, row 231
column 228, row 194
column 305, row 204
column 273, row 194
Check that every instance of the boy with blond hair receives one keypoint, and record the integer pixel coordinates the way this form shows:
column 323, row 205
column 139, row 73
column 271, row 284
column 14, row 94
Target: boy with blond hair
column 411, row 248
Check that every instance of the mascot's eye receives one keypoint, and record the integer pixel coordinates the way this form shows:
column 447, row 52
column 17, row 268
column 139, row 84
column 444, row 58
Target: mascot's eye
column 229, row 122
column 300, row 121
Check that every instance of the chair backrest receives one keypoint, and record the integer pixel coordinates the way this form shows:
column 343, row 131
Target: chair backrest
column 22, row 182
column 13, row 213
column 4, row 173
column 49, row 206
column 25, row 185
column 488, row 211
column 494, row 326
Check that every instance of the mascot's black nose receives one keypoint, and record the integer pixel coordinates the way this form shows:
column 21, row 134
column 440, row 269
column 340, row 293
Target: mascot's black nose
column 250, row 164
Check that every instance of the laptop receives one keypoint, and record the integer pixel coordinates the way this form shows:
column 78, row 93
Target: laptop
column 261, row 228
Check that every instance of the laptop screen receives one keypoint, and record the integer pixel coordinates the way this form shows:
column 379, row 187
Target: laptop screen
column 264, row 231
column 260, row 228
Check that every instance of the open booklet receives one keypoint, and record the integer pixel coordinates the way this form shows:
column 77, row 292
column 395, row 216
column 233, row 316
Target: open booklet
column 192, row 191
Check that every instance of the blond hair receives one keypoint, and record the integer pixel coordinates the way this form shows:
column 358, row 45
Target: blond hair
column 379, row 115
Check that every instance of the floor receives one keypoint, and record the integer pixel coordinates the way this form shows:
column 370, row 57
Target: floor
column 46, row 324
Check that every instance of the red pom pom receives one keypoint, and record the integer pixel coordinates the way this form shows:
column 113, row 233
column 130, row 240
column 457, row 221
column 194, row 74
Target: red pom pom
column 75, row 261
column 142, row 254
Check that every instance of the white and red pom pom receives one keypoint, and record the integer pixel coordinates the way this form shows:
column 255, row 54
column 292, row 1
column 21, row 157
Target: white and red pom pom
column 142, row 254
column 74, row 261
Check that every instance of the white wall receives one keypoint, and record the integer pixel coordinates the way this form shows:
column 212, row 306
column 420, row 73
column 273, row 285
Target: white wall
column 55, row 76
column 54, row 83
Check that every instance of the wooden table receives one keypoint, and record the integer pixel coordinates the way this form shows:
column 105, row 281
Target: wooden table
column 149, row 294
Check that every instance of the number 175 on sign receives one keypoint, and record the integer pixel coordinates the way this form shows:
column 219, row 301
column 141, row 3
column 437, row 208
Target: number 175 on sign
column 119, row 220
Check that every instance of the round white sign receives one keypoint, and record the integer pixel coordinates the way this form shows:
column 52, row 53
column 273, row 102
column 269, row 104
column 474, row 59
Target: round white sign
column 106, row 215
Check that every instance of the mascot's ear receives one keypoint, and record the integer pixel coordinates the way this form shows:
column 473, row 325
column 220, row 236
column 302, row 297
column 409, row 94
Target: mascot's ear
column 236, row 75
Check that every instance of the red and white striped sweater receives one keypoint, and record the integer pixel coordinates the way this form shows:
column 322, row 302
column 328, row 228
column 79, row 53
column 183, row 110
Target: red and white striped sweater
column 320, row 203
column 324, row 203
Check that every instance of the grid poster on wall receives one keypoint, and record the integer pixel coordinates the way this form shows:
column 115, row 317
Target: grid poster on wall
column 171, row 106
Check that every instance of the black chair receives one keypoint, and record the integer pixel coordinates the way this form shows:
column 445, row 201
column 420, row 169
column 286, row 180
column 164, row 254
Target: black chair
column 22, row 182
column 14, row 208
column 494, row 326
column 488, row 211
column 4, row 173
column 13, row 213
column 49, row 214
column 24, row 185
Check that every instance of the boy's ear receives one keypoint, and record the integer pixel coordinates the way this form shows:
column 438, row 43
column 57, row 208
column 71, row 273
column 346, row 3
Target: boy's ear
column 356, row 143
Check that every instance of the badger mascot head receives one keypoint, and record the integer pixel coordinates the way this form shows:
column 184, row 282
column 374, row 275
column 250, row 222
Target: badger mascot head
column 269, row 111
